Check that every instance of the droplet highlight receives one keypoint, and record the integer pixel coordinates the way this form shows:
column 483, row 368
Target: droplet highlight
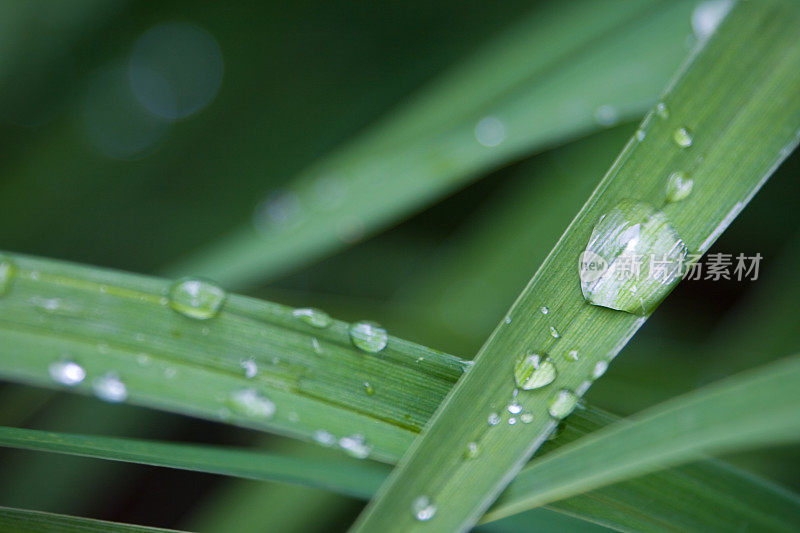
column 423, row 509
column 66, row 372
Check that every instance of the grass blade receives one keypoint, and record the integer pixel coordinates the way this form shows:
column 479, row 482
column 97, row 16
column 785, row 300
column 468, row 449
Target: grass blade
column 755, row 408
column 757, row 45
column 524, row 81
column 24, row 521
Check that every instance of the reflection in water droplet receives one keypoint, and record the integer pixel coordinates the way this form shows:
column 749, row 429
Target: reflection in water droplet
column 355, row 446
column 534, row 371
column 599, row 369
column 66, row 372
column 196, row 298
column 7, row 271
column 423, row 509
column 490, row 132
column 678, row 187
column 562, row 403
column 640, row 257
column 683, row 137
column 175, row 70
column 250, row 402
column 313, row 317
column 110, row 388
column 369, row 336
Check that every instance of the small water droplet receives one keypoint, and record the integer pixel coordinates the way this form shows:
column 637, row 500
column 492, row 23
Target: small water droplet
column 280, row 210
column 640, row 135
column 490, row 132
column 250, row 402
column 599, row 369
column 196, row 298
column 472, row 451
column 572, row 355
column 355, row 446
column 526, row 417
column 554, row 332
column 324, row 437
column 683, row 137
column 110, row 388
column 514, row 408
column 678, row 186
column 368, row 388
column 7, row 271
column 250, row 367
column 606, row 115
column 562, row 403
column 493, row 419
column 632, row 245
column 66, row 372
column 544, row 310
column 534, row 371
column 369, row 336
column 423, row 509
column 707, row 16
column 508, row 320
column 512, row 421
column 466, row 365
column 662, row 110
column 313, row 317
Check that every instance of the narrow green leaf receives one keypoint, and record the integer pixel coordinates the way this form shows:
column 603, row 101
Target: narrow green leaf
column 752, row 409
column 516, row 95
column 24, row 521
column 737, row 98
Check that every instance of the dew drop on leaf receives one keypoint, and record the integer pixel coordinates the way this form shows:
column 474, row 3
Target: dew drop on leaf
column 7, row 271
column 562, row 403
column 66, row 372
column 683, row 137
column 633, row 259
column 423, row 509
column 534, row 371
column 493, row 419
column 313, row 317
column 678, row 187
column 250, row 402
column 355, row 446
column 599, row 369
column 369, row 336
column 196, row 298
column 110, row 388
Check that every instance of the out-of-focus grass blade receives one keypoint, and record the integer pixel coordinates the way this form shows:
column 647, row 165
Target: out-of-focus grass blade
column 559, row 74
column 24, row 521
column 752, row 409
column 722, row 497
column 730, row 117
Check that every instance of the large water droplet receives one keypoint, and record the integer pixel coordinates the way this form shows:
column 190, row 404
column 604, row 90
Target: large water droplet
column 110, row 388
column 633, row 259
column 7, row 271
column 678, row 186
column 562, row 403
column 66, row 372
column 369, row 336
column 683, row 137
column 534, row 371
column 250, row 402
column 196, row 298
column 423, row 509
column 313, row 317
column 355, row 446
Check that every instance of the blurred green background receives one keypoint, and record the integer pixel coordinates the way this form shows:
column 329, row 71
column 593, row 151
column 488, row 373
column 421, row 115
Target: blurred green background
column 101, row 164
